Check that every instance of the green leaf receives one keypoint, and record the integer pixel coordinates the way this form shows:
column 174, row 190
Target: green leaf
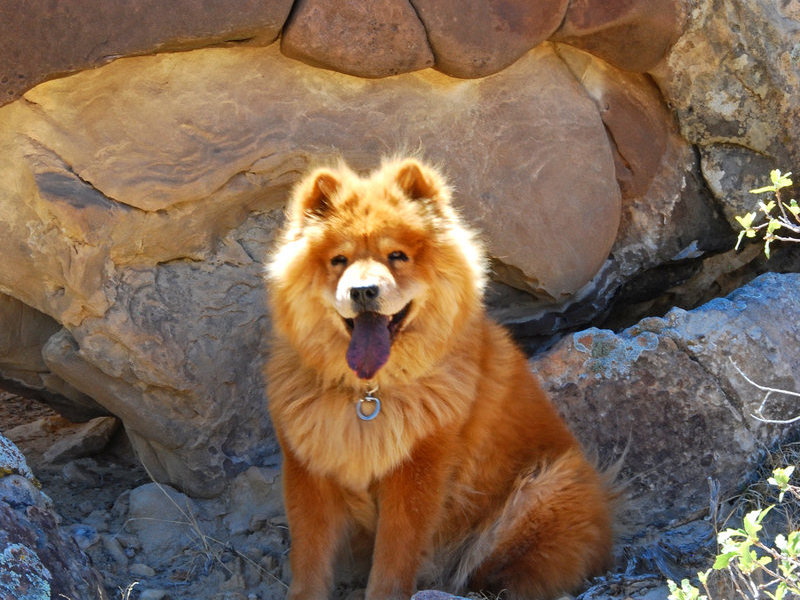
column 723, row 560
column 780, row 591
column 780, row 479
column 793, row 544
column 780, row 180
column 761, row 190
column 773, row 226
column 686, row 592
column 767, row 208
column 746, row 221
column 673, row 587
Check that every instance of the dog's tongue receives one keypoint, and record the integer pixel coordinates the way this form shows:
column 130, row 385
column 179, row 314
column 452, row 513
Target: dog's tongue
column 369, row 344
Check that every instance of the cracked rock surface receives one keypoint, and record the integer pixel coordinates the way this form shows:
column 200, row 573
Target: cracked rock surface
column 669, row 390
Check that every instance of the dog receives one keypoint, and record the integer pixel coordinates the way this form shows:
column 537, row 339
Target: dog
column 405, row 415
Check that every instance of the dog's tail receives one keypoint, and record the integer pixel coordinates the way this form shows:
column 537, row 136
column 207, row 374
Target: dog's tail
column 553, row 532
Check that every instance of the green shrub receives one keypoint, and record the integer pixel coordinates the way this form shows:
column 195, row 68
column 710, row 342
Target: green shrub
column 756, row 567
column 786, row 219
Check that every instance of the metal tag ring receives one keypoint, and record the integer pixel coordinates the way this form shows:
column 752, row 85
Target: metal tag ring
column 360, row 411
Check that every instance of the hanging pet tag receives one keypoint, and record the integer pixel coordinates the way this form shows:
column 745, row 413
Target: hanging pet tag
column 365, row 416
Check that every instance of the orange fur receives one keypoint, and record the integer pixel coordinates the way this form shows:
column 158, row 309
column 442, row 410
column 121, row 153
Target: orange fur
column 467, row 473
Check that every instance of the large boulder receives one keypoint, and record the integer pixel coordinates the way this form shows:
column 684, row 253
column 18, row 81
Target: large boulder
column 673, row 391
column 23, row 333
column 367, row 39
column 39, row 41
column 139, row 202
column 632, row 34
column 732, row 78
column 478, row 38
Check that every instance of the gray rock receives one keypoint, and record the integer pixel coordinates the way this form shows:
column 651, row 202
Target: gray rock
column 255, row 498
column 435, row 595
column 733, row 79
column 37, row 559
column 141, row 570
column 669, row 390
column 84, row 535
column 164, row 520
column 12, row 460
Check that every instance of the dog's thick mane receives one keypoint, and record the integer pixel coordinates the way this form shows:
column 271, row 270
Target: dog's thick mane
column 325, row 204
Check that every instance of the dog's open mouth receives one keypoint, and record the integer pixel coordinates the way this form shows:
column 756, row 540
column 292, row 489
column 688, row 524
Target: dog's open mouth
column 371, row 336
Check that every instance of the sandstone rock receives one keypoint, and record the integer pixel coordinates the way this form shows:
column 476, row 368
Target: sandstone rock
column 349, row 115
column 22, row 336
column 147, row 192
column 476, row 39
column 733, row 80
column 667, row 214
column 72, row 440
column 87, row 439
column 39, row 42
column 23, row 332
column 669, row 389
column 37, row 559
column 372, row 39
column 632, row 34
column 633, row 111
column 35, row 437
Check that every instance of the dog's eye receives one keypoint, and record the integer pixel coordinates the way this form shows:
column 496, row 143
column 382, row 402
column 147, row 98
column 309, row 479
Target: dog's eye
column 398, row 255
column 339, row 260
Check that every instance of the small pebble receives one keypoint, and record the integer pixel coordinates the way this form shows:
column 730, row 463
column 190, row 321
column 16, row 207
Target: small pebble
column 114, row 548
column 141, row 570
column 85, row 535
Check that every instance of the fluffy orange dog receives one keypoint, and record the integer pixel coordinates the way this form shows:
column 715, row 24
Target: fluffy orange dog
column 405, row 413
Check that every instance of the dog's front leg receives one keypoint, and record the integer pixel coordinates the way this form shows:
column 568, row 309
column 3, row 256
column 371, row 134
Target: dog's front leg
column 410, row 501
column 317, row 518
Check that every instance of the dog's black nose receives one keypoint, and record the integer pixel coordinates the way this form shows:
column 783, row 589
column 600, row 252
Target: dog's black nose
column 364, row 296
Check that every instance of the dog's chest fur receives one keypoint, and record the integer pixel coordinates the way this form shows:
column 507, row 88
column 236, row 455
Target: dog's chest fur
column 324, row 432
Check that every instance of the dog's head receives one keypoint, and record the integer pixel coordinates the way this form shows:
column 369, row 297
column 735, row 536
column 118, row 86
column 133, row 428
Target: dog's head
column 382, row 260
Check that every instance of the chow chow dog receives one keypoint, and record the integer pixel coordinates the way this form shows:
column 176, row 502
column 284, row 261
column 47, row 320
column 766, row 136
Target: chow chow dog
column 405, row 415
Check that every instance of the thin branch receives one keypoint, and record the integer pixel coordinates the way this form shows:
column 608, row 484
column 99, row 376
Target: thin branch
column 769, row 391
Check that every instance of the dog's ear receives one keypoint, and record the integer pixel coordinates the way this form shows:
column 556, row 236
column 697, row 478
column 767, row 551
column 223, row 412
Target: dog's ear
column 314, row 195
column 419, row 182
